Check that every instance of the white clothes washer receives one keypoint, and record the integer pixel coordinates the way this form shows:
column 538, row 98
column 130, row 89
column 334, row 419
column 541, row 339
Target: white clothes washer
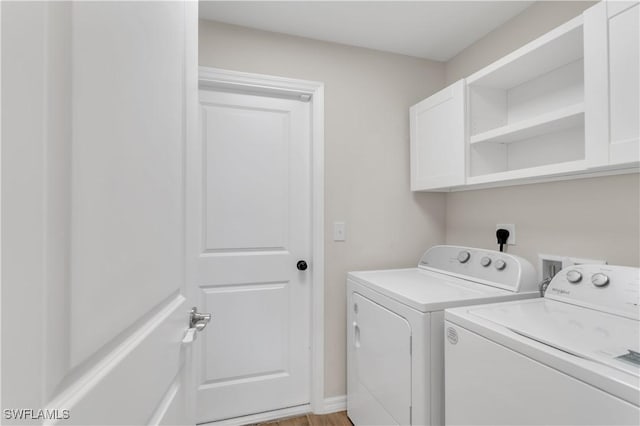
column 395, row 324
column 570, row 358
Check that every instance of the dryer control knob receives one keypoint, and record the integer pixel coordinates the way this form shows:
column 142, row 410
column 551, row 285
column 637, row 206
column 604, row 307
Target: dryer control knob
column 500, row 264
column 463, row 256
column 485, row 261
column 600, row 279
column 574, row 277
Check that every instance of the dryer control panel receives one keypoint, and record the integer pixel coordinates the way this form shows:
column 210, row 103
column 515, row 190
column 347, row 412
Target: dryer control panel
column 606, row 288
column 488, row 267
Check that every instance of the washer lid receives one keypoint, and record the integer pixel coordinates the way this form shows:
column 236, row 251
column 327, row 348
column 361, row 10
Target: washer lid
column 597, row 336
column 428, row 291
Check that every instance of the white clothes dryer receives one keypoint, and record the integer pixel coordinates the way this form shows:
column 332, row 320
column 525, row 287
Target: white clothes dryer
column 395, row 324
column 570, row 358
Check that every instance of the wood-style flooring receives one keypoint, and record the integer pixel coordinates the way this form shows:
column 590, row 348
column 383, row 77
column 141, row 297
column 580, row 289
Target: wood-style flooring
column 333, row 419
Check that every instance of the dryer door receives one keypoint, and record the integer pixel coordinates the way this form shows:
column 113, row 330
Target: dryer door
column 381, row 342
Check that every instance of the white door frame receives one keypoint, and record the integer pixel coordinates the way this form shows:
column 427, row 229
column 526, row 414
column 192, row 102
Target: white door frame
column 215, row 78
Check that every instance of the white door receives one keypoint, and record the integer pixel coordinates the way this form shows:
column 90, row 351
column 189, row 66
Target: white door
column 612, row 83
column 254, row 227
column 437, row 131
column 98, row 99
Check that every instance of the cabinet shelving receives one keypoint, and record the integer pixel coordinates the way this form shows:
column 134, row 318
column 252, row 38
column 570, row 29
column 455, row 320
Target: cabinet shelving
column 558, row 120
column 526, row 110
column 562, row 106
column 563, row 168
column 553, row 50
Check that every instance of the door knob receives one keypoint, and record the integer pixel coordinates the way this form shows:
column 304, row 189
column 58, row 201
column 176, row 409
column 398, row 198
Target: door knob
column 301, row 265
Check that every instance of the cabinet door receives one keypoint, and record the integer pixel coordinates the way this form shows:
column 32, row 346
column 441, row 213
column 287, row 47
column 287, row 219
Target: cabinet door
column 438, row 140
column 612, row 83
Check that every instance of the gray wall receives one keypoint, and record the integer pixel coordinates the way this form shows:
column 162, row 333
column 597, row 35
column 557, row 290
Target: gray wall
column 367, row 99
column 594, row 218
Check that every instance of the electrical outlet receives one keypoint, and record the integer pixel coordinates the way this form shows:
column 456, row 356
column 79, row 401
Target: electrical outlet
column 512, row 232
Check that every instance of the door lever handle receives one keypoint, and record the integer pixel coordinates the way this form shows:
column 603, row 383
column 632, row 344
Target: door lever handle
column 197, row 320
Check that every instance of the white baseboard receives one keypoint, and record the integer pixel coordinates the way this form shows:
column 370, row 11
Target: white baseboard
column 262, row 417
column 333, row 405
column 329, row 405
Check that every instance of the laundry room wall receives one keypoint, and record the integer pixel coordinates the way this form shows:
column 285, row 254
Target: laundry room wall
column 367, row 98
column 596, row 218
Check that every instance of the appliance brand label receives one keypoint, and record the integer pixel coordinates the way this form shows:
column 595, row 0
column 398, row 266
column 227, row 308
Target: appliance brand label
column 560, row 291
column 452, row 335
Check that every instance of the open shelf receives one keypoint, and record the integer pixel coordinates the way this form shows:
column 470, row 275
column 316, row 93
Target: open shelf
column 564, row 168
column 541, row 153
column 526, row 112
column 554, row 121
column 551, row 51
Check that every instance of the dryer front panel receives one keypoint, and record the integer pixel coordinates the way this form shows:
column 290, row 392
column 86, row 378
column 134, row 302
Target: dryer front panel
column 380, row 365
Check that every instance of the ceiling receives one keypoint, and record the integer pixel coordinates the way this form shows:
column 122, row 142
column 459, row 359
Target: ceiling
column 435, row 30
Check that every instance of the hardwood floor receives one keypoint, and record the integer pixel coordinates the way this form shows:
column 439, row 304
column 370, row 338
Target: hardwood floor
column 333, row 419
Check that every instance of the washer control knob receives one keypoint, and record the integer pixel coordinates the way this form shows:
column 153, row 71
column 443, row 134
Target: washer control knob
column 574, row 277
column 500, row 264
column 485, row 261
column 463, row 256
column 600, row 279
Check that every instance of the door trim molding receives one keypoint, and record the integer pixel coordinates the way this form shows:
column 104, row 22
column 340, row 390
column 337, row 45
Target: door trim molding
column 312, row 91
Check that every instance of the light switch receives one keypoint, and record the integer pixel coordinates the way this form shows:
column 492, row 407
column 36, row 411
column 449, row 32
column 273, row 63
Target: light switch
column 339, row 231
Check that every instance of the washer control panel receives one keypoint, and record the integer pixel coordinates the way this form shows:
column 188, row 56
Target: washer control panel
column 607, row 288
column 484, row 266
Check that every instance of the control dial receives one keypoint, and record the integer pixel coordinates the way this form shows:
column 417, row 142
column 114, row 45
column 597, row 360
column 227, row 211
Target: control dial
column 485, row 261
column 500, row 264
column 574, row 277
column 463, row 256
column 600, row 279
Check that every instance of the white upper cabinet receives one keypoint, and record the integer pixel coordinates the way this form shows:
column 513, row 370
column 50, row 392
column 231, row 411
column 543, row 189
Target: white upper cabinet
column 562, row 106
column 438, row 140
column 612, row 61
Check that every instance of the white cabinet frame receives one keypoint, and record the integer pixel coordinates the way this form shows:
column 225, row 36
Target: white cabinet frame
column 603, row 147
